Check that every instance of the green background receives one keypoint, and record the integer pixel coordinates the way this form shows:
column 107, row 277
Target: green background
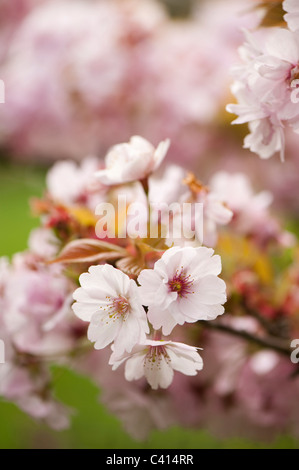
column 92, row 425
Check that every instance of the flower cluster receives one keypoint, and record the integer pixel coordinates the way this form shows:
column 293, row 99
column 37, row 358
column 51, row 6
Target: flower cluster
column 133, row 311
column 266, row 85
column 182, row 286
column 111, row 70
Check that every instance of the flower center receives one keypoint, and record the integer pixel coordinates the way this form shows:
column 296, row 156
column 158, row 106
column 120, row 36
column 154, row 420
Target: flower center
column 154, row 356
column 118, row 307
column 181, row 283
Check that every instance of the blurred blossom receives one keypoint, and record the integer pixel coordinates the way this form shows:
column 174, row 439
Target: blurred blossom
column 34, row 324
column 71, row 183
column 82, row 76
column 110, row 68
column 12, row 13
column 157, row 361
column 109, row 300
column 251, row 214
column 292, row 15
column 37, row 319
column 132, row 161
column 43, row 243
column 183, row 287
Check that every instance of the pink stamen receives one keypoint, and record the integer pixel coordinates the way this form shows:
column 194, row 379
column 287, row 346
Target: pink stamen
column 181, row 283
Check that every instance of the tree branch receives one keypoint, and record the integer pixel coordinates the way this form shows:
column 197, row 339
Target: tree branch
column 279, row 345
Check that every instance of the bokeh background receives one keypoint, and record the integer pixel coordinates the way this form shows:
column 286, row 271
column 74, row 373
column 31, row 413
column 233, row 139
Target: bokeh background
column 82, row 75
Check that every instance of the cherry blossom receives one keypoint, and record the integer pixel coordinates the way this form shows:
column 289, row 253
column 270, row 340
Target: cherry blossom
column 250, row 210
column 199, row 222
column 43, row 243
column 292, row 15
column 264, row 89
column 156, row 360
column 109, row 300
column 132, row 161
column 215, row 213
column 39, row 319
column 70, row 183
column 29, row 388
column 183, row 287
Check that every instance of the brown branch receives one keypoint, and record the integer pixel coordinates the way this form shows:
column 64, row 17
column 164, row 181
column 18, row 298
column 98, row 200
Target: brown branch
column 279, row 345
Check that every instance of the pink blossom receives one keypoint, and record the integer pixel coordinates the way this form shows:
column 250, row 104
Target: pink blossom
column 109, row 300
column 215, row 213
column 30, row 392
column 132, row 161
column 292, row 15
column 156, row 360
column 264, row 89
column 38, row 318
column 70, row 183
column 251, row 210
column 43, row 243
column 134, row 48
column 183, row 287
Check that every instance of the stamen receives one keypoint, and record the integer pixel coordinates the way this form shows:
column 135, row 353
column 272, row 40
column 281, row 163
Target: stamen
column 120, row 305
column 154, row 357
column 181, row 283
column 117, row 307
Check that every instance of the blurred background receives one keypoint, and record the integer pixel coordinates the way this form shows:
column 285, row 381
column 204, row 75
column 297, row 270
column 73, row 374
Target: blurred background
column 83, row 75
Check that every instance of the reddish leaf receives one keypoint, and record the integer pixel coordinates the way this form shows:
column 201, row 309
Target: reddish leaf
column 88, row 250
column 130, row 265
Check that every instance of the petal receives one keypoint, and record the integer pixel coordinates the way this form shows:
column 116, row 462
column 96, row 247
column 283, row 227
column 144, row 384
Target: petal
column 85, row 311
column 186, row 362
column 282, row 44
column 192, row 310
column 113, row 277
column 160, row 153
column 141, row 145
column 272, row 68
column 102, row 330
column 129, row 335
column 134, row 368
column 94, row 282
column 206, row 266
column 158, row 373
column 209, row 290
column 153, row 290
column 161, row 319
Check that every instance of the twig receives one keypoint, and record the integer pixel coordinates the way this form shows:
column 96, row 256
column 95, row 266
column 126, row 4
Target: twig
column 270, row 342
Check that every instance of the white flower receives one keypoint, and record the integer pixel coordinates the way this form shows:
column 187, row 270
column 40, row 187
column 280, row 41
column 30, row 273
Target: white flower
column 250, row 209
column 197, row 223
column 215, row 213
column 292, row 16
column 166, row 186
column 183, row 287
column 132, row 161
column 70, row 183
column 156, row 360
column 266, row 89
column 266, row 129
column 109, row 300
